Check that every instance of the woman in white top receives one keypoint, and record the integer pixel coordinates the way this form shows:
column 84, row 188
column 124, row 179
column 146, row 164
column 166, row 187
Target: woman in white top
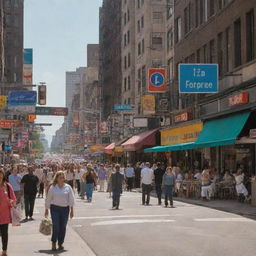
column 241, row 190
column 60, row 200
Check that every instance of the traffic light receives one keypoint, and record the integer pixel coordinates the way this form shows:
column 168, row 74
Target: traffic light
column 42, row 94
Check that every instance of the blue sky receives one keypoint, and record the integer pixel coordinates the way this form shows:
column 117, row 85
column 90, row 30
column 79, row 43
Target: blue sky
column 58, row 31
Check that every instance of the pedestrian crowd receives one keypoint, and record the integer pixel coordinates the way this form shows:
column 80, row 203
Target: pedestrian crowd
column 58, row 182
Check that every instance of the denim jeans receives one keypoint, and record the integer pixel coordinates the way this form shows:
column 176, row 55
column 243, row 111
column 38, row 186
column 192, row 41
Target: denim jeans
column 59, row 223
column 89, row 191
column 168, row 190
column 146, row 189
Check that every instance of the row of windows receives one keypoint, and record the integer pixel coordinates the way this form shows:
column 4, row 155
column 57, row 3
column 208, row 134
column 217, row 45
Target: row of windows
column 196, row 13
column 127, row 83
column 127, row 61
column 140, row 24
column 127, row 38
column 219, row 50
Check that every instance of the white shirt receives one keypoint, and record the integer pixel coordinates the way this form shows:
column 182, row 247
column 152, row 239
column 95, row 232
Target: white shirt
column 147, row 176
column 69, row 176
column 77, row 175
column 60, row 196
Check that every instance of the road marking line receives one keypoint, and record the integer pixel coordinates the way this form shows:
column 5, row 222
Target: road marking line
column 120, row 216
column 120, row 222
column 224, row 220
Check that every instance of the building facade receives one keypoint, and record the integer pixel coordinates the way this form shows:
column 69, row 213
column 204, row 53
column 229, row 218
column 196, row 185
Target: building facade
column 11, row 41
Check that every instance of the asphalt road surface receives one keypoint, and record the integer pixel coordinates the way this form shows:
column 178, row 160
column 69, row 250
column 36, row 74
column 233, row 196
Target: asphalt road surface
column 137, row 230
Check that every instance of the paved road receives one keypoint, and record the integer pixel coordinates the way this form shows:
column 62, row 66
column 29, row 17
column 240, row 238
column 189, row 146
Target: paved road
column 137, row 230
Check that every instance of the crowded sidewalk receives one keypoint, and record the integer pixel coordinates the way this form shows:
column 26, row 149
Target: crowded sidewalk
column 26, row 240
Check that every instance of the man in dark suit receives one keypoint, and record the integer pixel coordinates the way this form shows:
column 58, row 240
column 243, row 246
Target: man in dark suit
column 117, row 180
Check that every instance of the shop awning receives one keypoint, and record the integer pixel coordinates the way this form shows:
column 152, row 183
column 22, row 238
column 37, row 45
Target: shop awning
column 137, row 142
column 219, row 132
column 109, row 149
column 223, row 131
column 177, row 147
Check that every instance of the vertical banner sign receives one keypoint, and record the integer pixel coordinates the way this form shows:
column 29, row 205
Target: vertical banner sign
column 27, row 66
column 76, row 119
column 3, row 101
column 157, row 80
column 148, row 105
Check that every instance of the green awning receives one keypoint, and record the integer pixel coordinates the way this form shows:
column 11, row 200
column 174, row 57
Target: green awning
column 177, row 147
column 221, row 132
column 218, row 132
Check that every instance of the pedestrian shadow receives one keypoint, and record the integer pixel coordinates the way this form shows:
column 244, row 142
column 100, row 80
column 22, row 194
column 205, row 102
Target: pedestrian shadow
column 50, row 252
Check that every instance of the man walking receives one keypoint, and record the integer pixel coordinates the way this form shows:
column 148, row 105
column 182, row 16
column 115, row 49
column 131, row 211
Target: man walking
column 147, row 176
column 30, row 182
column 158, row 173
column 129, row 174
column 102, row 174
column 116, row 181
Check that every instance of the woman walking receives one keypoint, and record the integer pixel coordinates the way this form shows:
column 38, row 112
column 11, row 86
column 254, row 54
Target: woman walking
column 7, row 200
column 70, row 176
column 60, row 200
column 168, row 185
column 89, row 179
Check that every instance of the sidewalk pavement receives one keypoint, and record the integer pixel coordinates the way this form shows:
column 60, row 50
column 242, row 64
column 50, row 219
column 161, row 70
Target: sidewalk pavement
column 232, row 206
column 27, row 241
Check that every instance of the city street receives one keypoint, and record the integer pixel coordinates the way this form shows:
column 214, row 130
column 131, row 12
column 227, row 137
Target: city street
column 137, row 230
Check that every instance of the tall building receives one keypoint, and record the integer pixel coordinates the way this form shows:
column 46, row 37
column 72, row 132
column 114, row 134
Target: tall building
column 11, row 41
column 110, row 55
column 93, row 55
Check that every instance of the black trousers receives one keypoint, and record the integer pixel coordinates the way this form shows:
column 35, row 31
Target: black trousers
column 129, row 184
column 29, row 204
column 41, row 189
column 146, row 189
column 4, row 234
column 159, row 192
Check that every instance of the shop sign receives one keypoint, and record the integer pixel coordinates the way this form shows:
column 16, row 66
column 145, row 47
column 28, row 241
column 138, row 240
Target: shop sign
column 51, row 111
column 183, row 117
column 31, row 118
column 119, row 149
column 103, row 127
column 163, row 105
column 97, row 148
column 3, row 101
column 22, row 98
column 6, row 124
column 122, row 107
column 148, row 105
column 238, row 99
column 253, row 133
column 183, row 134
column 157, row 80
column 140, row 122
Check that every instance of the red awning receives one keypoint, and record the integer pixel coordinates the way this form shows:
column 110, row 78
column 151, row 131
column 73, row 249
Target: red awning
column 137, row 142
column 109, row 149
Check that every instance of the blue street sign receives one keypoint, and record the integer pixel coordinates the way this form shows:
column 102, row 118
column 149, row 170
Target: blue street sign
column 22, row 98
column 157, row 79
column 198, row 78
column 122, row 107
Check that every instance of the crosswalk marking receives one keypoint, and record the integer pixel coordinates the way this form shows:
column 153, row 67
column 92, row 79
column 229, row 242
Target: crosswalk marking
column 120, row 216
column 121, row 222
column 224, row 220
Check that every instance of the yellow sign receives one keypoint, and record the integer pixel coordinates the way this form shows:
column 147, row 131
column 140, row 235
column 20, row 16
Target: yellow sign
column 3, row 101
column 183, row 134
column 119, row 149
column 148, row 105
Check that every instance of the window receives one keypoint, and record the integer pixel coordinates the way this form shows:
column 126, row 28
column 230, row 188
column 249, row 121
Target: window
column 143, row 77
column 188, row 18
column 125, row 84
column 157, row 17
column 129, row 83
column 138, row 4
column 169, row 39
column 128, row 36
column 125, row 18
column 197, row 9
column 227, row 50
column 138, row 26
column 250, row 35
column 139, row 80
column 125, row 62
column 169, row 4
column 157, row 41
column 178, row 29
column 211, row 7
column 143, row 46
column 205, row 53
column 125, row 40
column 237, row 43
column 129, row 59
column 139, row 49
column 205, row 5
column 198, row 56
column 128, row 15
column 220, row 52
column 142, row 22
column 212, row 50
